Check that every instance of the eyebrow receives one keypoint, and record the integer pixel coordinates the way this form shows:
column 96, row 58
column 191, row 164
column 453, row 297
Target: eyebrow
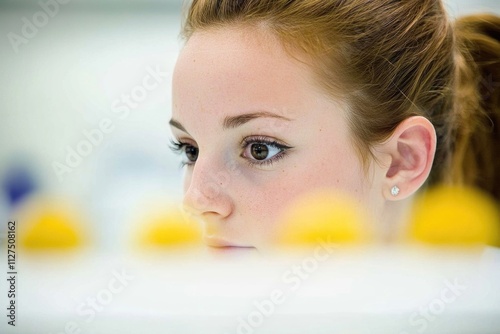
column 231, row 122
column 177, row 125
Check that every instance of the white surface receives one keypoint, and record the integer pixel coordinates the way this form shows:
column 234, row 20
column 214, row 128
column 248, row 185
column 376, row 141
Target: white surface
column 372, row 291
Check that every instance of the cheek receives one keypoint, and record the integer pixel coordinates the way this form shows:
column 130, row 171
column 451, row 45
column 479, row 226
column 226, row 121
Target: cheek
column 259, row 201
column 343, row 173
column 262, row 203
column 341, row 170
column 343, row 176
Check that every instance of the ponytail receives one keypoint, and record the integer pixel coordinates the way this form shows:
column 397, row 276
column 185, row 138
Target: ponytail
column 476, row 158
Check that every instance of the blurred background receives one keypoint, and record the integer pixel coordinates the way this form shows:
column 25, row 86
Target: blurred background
column 85, row 101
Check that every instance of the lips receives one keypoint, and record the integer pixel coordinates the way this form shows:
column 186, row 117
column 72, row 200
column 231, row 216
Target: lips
column 221, row 243
column 214, row 241
column 215, row 234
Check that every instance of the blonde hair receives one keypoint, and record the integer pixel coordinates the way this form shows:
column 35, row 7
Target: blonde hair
column 391, row 60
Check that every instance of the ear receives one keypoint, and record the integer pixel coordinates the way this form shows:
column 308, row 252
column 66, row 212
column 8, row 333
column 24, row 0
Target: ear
column 411, row 149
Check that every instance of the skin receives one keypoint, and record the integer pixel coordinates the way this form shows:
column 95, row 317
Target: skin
column 221, row 75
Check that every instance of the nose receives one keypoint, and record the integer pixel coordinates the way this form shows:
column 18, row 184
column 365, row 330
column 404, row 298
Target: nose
column 206, row 190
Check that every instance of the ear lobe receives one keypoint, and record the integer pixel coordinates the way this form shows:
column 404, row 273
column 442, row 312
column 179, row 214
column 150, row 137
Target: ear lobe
column 411, row 147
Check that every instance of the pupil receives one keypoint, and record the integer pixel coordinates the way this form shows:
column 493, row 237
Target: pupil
column 259, row 151
column 192, row 153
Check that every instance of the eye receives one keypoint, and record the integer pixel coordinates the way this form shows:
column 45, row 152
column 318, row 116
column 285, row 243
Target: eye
column 189, row 151
column 261, row 150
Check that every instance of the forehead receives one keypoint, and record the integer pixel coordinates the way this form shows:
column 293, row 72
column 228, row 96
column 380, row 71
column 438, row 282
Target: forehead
column 229, row 70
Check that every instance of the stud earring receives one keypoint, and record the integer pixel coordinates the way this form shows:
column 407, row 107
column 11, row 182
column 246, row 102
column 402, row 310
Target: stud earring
column 395, row 191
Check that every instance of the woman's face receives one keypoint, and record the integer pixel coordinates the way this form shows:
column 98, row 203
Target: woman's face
column 255, row 134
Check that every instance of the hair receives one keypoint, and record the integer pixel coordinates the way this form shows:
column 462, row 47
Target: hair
column 390, row 60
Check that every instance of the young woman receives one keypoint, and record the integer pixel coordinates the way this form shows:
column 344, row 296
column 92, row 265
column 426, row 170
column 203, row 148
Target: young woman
column 273, row 99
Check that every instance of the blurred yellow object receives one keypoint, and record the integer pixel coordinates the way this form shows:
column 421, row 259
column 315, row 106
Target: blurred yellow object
column 169, row 227
column 448, row 215
column 49, row 224
column 324, row 217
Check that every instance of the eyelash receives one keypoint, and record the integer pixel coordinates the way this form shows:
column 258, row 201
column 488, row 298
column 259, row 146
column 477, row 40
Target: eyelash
column 178, row 147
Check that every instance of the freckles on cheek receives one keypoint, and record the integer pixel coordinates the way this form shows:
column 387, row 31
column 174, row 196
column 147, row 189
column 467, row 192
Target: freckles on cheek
column 266, row 193
column 280, row 193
